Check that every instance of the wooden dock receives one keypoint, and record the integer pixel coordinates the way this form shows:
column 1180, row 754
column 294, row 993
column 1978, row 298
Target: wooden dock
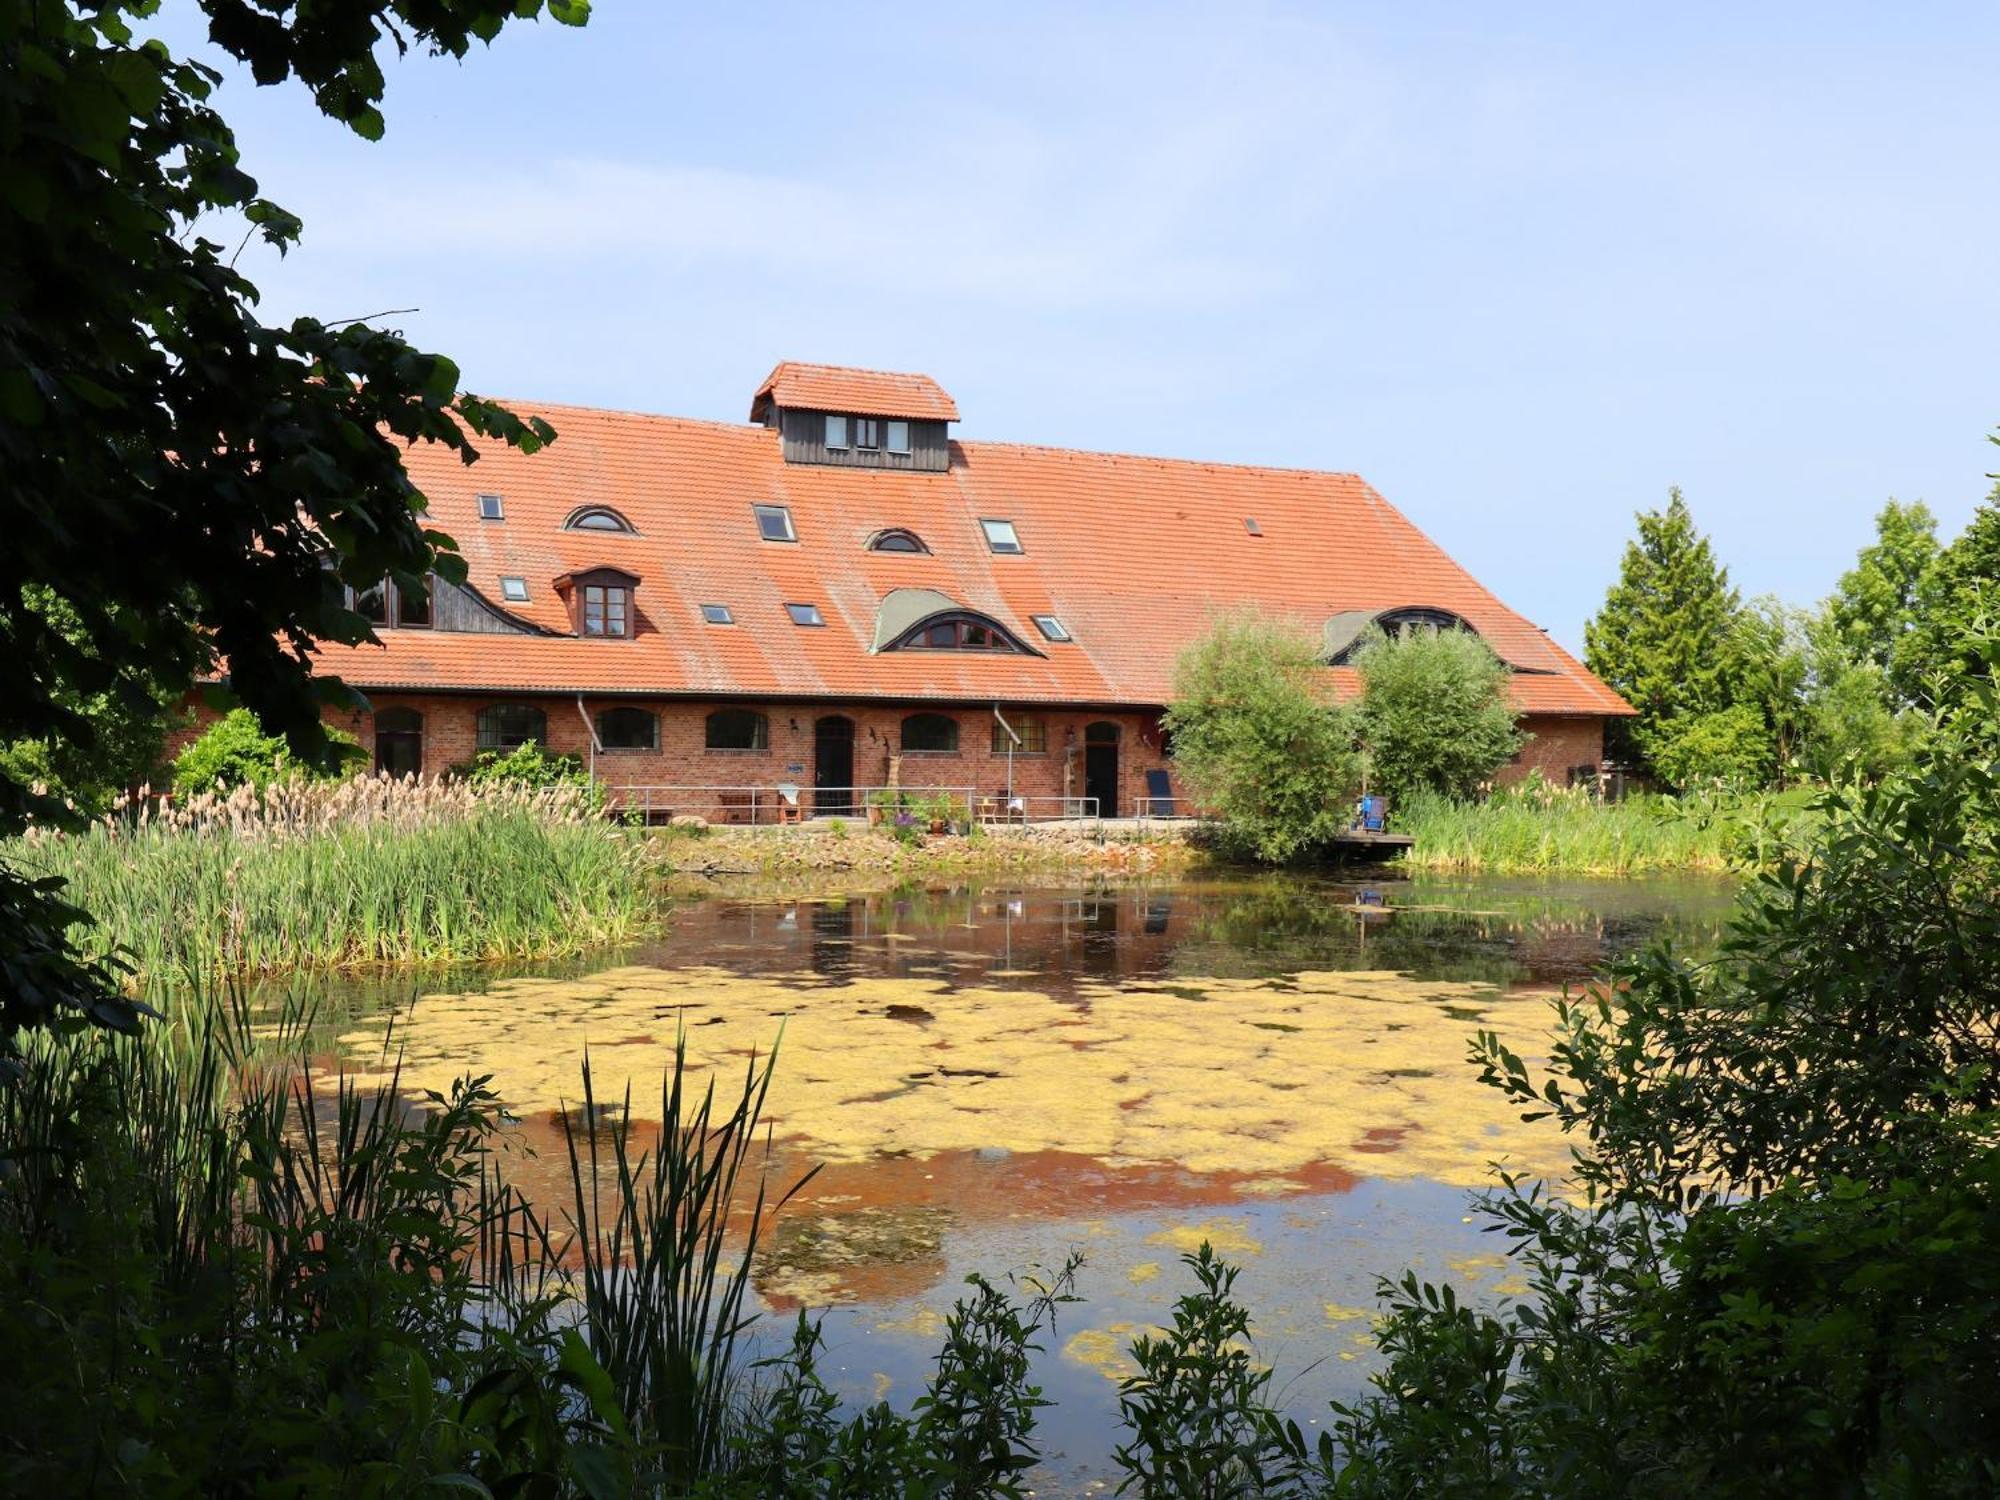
column 1371, row 845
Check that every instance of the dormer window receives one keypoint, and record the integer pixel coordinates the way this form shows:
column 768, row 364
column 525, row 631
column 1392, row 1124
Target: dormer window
column 867, row 433
column 896, row 539
column 390, row 605
column 607, row 610
column 1001, row 536
column 774, row 523
column 957, row 632
column 596, row 518
column 897, row 437
column 836, row 432
column 600, row 602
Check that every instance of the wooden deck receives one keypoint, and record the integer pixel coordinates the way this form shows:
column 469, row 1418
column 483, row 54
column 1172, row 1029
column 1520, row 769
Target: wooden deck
column 1377, row 845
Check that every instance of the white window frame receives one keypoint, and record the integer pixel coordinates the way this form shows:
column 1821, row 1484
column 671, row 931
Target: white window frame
column 836, row 431
column 513, row 588
column 1052, row 628
column 896, row 437
column 817, row 622
column 758, row 513
column 1010, row 546
column 498, row 510
column 726, row 617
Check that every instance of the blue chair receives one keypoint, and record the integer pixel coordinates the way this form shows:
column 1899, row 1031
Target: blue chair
column 1159, row 794
column 1371, row 815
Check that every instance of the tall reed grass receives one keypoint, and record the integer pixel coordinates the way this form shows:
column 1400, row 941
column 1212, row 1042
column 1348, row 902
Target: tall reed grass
column 1545, row 830
column 362, row 872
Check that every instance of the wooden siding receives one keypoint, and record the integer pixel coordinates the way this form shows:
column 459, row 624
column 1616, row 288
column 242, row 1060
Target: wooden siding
column 457, row 609
column 804, row 436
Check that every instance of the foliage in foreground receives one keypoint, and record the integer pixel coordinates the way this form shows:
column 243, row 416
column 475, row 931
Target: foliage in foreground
column 370, row 870
column 1781, row 1274
column 200, row 482
column 1259, row 741
column 1435, row 713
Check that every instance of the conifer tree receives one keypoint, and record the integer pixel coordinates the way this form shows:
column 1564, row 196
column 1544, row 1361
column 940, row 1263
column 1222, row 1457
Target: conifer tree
column 1667, row 637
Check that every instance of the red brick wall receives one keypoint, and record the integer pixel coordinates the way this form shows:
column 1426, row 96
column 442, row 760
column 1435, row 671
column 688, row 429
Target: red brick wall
column 1556, row 744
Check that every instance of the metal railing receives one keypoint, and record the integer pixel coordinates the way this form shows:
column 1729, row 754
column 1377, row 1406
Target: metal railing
column 1163, row 807
column 763, row 804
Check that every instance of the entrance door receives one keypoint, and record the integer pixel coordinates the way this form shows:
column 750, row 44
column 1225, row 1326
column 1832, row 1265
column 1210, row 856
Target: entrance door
column 1100, row 767
column 833, row 766
column 399, row 742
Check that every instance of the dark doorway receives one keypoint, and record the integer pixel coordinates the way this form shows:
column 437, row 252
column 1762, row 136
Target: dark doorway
column 399, row 742
column 1100, row 767
column 833, row 766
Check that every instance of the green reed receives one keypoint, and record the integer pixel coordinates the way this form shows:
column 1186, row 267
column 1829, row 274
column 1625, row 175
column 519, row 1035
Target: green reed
column 367, row 872
column 1553, row 831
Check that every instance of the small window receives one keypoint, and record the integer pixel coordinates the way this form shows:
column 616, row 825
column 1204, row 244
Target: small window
column 490, row 508
column 774, row 523
column 898, row 437
column 607, row 610
column 628, row 729
column 738, row 729
column 1051, row 628
column 596, row 518
column 1001, row 536
column 1034, row 735
column 413, row 606
column 957, row 633
column 1250, row 525
column 372, row 604
column 717, row 614
column 514, row 589
column 836, row 432
column 507, row 726
column 932, row 734
column 896, row 539
column 867, row 433
column 804, row 614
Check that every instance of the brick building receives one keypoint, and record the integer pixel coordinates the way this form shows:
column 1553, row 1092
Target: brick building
column 839, row 594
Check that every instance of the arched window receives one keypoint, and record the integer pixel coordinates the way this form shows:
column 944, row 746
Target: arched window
column 596, row 518
column 628, row 729
column 1419, row 617
column 1103, row 732
column 957, row 632
column 738, row 729
column 935, row 734
column 507, row 726
column 896, row 539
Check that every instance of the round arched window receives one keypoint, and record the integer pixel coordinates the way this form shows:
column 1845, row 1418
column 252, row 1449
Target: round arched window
column 932, row 734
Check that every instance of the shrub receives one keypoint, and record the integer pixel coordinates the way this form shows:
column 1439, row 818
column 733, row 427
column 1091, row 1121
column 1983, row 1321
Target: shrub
column 1259, row 740
column 234, row 751
column 528, row 765
column 1728, row 747
column 1435, row 714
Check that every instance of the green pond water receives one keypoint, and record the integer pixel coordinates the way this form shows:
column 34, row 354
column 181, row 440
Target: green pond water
column 992, row 1077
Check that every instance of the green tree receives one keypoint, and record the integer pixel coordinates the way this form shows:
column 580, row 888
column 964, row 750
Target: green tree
column 1875, row 603
column 1435, row 713
column 1778, row 1268
column 1666, row 637
column 194, row 482
column 1259, row 739
column 1959, row 592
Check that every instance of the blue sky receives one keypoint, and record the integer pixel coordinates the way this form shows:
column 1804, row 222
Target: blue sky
column 1523, row 267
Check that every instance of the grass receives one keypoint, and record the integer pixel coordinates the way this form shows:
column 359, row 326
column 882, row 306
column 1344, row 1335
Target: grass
column 370, row 871
column 1542, row 830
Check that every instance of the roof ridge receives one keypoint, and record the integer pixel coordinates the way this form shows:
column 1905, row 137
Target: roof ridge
column 538, row 407
column 813, row 364
column 1164, row 458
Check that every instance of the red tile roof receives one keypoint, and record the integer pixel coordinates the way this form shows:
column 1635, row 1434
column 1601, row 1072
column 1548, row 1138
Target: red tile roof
column 1136, row 556
column 868, row 393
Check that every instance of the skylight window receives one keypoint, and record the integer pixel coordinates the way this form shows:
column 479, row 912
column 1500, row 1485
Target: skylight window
column 1051, row 628
column 514, row 589
column 1001, row 536
column 774, row 523
column 717, row 614
column 1250, row 525
column 804, row 614
column 490, row 508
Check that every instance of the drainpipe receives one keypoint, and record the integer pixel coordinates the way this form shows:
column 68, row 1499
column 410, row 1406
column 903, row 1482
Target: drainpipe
column 591, row 730
column 1013, row 741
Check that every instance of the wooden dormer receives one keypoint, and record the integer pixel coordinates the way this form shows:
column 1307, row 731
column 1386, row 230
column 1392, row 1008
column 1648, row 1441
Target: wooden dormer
column 602, row 602
column 857, row 419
